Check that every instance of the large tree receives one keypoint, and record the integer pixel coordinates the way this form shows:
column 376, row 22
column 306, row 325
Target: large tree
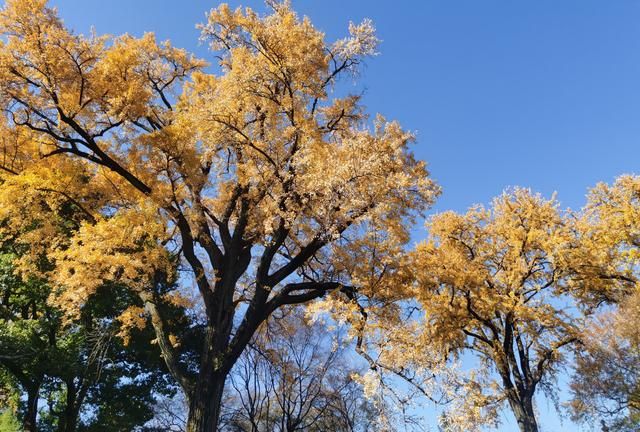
column 256, row 177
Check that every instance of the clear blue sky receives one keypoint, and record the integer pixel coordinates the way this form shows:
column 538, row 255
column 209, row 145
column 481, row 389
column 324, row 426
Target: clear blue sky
column 544, row 94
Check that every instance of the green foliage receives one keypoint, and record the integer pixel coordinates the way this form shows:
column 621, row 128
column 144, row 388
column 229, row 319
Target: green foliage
column 87, row 378
column 8, row 422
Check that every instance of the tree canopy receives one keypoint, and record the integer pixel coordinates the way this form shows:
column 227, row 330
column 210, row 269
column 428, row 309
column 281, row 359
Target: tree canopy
column 258, row 179
column 161, row 213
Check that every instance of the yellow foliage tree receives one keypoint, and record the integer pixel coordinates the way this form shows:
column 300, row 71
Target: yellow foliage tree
column 495, row 283
column 257, row 178
column 610, row 242
column 606, row 382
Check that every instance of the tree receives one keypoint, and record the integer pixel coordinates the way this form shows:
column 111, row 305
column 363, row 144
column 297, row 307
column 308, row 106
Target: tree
column 292, row 377
column 606, row 381
column 494, row 283
column 257, row 179
column 80, row 369
column 609, row 231
column 20, row 338
column 8, row 423
column 296, row 377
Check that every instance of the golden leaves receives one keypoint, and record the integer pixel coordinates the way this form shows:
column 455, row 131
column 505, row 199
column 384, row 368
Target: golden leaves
column 42, row 203
column 362, row 41
column 265, row 130
column 489, row 281
column 606, row 373
column 76, row 92
column 508, row 251
column 610, row 246
column 262, row 152
column 124, row 249
column 42, row 59
column 130, row 318
column 257, row 47
column 134, row 70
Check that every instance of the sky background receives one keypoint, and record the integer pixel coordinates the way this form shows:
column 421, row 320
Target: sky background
column 543, row 94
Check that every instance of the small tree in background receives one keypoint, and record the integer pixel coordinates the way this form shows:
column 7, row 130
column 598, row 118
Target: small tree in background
column 77, row 375
column 296, row 377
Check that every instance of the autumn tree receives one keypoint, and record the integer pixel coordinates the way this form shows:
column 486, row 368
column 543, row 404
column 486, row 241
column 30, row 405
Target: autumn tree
column 493, row 283
column 606, row 381
column 257, row 179
column 609, row 230
column 605, row 384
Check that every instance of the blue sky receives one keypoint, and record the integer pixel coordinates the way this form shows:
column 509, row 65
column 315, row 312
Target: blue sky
column 544, row 94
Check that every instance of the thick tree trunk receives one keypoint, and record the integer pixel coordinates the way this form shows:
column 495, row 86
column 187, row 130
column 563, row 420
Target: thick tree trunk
column 525, row 416
column 205, row 392
column 31, row 413
column 69, row 420
column 206, row 403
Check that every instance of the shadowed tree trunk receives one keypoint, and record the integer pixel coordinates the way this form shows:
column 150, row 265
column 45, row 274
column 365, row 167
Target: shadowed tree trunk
column 523, row 411
column 69, row 416
column 205, row 406
column 31, row 411
column 205, row 399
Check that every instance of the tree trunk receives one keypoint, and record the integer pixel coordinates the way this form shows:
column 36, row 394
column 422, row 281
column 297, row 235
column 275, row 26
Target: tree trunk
column 70, row 419
column 205, row 403
column 69, row 416
column 206, row 398
column 525, row 416
column 31, row 413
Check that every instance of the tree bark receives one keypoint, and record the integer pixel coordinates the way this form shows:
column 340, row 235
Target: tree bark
column 206, row 403
column 69, row 416
column 31, row 413
column 525, row 416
